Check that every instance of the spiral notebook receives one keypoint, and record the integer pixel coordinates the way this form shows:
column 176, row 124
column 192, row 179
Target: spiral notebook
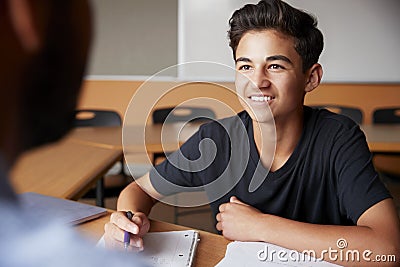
column 168, row 249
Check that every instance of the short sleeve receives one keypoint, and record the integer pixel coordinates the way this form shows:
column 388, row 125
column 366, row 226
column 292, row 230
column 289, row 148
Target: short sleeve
column 214, row 160
column 359, row 186
column 166, row 176
column 199, row 161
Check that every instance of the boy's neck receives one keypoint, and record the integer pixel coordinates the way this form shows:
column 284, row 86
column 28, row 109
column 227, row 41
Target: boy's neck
column 288, row 134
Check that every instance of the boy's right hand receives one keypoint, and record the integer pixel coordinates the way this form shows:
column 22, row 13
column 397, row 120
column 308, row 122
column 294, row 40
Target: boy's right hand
column 115, row 229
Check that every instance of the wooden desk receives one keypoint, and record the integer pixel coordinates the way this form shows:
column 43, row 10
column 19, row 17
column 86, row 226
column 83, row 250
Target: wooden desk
column 106, row 137
column 156, row 136
column 64, row 169
column 210, row 251
column 383, row 138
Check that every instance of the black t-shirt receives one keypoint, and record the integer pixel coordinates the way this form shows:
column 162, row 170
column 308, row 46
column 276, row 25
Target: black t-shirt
column 328, row 179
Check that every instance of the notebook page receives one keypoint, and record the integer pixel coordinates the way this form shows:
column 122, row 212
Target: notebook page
column 253, row 254
column 168, row 249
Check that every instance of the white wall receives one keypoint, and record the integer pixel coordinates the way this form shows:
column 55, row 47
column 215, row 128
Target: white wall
column 141, row 37
column 362, row 37
column 133, row 37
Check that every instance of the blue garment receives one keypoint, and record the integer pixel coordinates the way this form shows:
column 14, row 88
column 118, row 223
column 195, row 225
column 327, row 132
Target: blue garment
column 28, row 241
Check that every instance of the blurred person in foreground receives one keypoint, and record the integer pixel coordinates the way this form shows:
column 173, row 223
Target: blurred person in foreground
column 44, row 48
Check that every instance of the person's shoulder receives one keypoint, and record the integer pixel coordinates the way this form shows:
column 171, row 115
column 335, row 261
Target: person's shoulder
column 321, row 117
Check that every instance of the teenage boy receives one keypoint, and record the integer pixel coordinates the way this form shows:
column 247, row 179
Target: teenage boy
column 321, row 185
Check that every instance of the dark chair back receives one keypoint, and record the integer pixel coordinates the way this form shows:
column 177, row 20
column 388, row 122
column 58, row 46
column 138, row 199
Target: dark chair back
column 101, row 118
column 93, row 118
column 353, row 113
column 386, row 115
column 182, row 114
column 388, row 166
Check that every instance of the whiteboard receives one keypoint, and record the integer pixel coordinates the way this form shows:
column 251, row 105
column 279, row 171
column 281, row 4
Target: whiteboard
column 133, row 37
column 362, row 37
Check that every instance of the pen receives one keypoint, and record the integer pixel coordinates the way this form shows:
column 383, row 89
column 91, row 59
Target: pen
column 127, row 236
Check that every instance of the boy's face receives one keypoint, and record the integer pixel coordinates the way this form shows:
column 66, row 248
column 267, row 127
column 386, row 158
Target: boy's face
column 269, row 72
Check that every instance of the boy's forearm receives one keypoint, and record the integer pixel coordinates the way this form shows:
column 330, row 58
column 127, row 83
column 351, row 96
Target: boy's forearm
column 133, row 198
column 334, row 243
column 310, row 237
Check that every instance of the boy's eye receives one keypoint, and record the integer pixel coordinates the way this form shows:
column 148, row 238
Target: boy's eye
column 275, row 67
column 244, row 67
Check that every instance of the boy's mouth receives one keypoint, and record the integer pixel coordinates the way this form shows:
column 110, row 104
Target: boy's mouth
column 261, row 98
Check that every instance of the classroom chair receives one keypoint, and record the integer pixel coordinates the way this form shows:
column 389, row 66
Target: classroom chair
column 182, row 114
column 387, row 115
column 96, row 118
column 110, row 185
column 353, row 113
column 388, row 165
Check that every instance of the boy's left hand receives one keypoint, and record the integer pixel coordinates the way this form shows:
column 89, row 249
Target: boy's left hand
column 237, row 220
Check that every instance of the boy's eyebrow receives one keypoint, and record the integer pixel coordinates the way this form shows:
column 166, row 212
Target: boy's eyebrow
column 279, row 57
column 270, row 58
column 244, row 59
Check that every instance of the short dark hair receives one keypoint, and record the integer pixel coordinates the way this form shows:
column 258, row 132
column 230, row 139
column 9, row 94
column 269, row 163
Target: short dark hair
column 280, row 16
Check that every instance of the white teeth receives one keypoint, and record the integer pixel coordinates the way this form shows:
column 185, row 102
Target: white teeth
column 261, row 98
column 258, row 98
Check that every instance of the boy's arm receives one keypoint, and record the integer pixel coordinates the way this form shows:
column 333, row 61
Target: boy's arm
column 377, row 230
column 138, row 198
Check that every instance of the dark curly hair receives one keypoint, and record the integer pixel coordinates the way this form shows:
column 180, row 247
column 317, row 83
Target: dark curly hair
column 278, row 15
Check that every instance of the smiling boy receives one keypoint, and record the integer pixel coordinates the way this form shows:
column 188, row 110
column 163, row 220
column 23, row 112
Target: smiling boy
column 318, row 186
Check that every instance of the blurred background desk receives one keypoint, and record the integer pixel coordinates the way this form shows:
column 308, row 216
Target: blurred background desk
column 383, row 138
column 152, row 138
column 65, row 169
column 106, row 137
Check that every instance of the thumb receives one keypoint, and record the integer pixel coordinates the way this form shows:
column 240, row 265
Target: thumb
column 234, row 199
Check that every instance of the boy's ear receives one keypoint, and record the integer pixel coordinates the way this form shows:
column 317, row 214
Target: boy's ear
column 314, row 76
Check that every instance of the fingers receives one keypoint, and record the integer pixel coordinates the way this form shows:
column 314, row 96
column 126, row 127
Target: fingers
column 222, row 207
column 219, row 226
column 135, row 244
column 119, row 219
column 234, row 199
column 142, row 221
column 225, row 210
column 137, row 221
column 111, row 230
column 115, row 229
